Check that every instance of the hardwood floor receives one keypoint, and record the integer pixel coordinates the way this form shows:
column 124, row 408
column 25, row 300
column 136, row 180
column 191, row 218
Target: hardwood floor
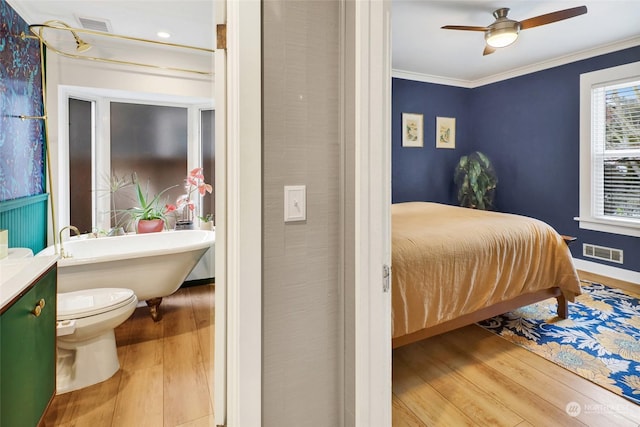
column 632, row 288
column 467, row 377
column 471, row 377
column 166, row 371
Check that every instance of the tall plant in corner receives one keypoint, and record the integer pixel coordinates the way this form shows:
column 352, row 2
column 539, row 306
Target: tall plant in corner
column 476, row 181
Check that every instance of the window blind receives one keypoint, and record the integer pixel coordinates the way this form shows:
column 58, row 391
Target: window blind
column 615, row 135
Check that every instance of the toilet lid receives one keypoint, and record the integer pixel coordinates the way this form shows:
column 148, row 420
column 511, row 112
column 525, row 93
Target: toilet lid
column 89, row 302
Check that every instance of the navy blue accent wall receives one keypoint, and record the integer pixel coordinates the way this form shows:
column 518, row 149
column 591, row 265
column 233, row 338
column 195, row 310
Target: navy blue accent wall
column 426, row 173
column 529, row 127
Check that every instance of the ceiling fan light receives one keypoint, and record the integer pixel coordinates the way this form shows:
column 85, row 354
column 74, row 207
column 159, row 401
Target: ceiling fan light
column 501, row 38
column 502, row 33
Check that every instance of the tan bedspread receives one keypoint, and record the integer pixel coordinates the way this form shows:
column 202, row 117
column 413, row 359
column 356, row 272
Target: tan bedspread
column 449, row 261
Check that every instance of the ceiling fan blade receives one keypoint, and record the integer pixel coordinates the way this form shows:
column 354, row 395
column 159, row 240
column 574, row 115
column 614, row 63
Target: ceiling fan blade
column 488, row 50
column 464, row 27
column 552, row 17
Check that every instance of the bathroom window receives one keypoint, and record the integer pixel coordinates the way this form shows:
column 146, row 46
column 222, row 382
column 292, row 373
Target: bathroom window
column 207, row 136
column 159, row 142
column 80, row 149
column 150, row 141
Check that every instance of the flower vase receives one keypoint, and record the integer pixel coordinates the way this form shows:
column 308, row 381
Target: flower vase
column 186, row 222
column 150, row 225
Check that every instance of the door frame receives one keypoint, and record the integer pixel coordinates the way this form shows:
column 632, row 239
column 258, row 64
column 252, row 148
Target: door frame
column 241, row 228
column 241, row 222
column 219, row 350
column 372, row 213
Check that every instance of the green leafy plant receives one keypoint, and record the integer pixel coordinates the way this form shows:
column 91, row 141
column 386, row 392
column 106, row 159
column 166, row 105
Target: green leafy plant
column 476, row 181
column 206, row 218
column 150, row 207
column 116, row 184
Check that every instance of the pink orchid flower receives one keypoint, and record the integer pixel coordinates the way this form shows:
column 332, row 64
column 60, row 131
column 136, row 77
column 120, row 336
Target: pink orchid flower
column 204, row 188
column 195, row 181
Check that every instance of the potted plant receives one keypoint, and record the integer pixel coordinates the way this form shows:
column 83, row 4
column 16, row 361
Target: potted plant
column 116, row 184
column 206, row 222
column 151, row 213
column 476, row 181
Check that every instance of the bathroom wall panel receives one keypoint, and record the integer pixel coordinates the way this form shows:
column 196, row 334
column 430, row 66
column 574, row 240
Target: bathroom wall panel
column 26, row 220
column 21, row 141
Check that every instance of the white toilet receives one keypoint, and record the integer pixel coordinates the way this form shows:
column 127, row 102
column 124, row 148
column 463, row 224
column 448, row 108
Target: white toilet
column 86, row 342
column 86, row 345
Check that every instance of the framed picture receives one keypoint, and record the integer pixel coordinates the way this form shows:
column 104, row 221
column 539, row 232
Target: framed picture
column 445, row 132
column 412, row 130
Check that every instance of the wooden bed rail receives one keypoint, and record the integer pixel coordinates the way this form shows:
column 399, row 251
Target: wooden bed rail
column 486, row 313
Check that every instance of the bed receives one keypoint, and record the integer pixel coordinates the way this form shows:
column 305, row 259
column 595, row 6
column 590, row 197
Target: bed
column 454, row 266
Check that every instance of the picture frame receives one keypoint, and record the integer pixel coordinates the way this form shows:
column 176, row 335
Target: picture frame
column 412, row 130
column 446, row 132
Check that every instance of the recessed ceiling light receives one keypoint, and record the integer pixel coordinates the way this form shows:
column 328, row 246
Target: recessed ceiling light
column 164, row 34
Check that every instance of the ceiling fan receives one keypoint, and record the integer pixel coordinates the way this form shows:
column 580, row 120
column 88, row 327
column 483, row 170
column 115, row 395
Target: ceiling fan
column 504, row 31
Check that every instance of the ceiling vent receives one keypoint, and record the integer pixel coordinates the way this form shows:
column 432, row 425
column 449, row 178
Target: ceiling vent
column 601, row 252
column 95, row 24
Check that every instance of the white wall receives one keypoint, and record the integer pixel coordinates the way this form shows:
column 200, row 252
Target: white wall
column 131, row 82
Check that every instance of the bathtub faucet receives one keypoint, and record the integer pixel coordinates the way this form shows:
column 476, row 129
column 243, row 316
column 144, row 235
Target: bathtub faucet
column 70, row 228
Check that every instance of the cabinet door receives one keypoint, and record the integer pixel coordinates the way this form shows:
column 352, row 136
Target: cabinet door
column 28, row 355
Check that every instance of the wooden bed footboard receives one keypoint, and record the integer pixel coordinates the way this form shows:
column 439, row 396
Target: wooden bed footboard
column 485, row 313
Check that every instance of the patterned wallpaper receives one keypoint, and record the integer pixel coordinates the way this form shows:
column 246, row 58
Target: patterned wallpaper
column 21, row 141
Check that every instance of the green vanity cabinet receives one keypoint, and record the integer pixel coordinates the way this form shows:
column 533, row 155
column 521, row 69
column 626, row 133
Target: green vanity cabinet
column 28, row 353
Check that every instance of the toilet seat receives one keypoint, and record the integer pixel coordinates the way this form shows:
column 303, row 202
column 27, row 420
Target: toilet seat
column 91, row 302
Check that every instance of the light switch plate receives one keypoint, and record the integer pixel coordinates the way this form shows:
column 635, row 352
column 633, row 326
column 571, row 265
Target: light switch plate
column 295, row 203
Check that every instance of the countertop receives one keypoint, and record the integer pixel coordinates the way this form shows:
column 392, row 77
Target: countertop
column 18, row 272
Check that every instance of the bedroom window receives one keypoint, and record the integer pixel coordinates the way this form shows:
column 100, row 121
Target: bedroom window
column 610, row 150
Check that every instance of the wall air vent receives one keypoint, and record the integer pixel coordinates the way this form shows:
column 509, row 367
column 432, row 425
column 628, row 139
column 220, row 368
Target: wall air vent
column 95, row 24
column 603, row 253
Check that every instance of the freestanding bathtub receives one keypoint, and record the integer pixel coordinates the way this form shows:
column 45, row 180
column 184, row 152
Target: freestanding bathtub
column 153, row 265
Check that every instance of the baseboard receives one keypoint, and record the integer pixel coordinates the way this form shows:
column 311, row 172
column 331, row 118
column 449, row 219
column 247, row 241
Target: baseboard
column 607, row 270
column 626, row 279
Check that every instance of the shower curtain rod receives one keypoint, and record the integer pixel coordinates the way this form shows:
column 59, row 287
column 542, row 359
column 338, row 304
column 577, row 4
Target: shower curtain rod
column 38, row 29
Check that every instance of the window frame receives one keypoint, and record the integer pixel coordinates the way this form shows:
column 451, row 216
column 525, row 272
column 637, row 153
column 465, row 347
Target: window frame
column 588, row 219
column 101, row 99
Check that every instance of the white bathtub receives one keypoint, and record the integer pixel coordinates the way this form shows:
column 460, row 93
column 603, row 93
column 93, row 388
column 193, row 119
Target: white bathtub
column 153, row 265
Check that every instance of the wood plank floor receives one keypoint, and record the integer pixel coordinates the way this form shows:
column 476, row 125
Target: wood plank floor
column 471, row 377
column 467, row 377
column 166, row 371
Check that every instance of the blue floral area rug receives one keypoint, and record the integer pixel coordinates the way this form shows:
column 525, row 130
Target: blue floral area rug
column 600, row 340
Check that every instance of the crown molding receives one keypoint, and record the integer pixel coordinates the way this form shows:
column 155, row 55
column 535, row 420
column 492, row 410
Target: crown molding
column 516, row 72
column 427, row 78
